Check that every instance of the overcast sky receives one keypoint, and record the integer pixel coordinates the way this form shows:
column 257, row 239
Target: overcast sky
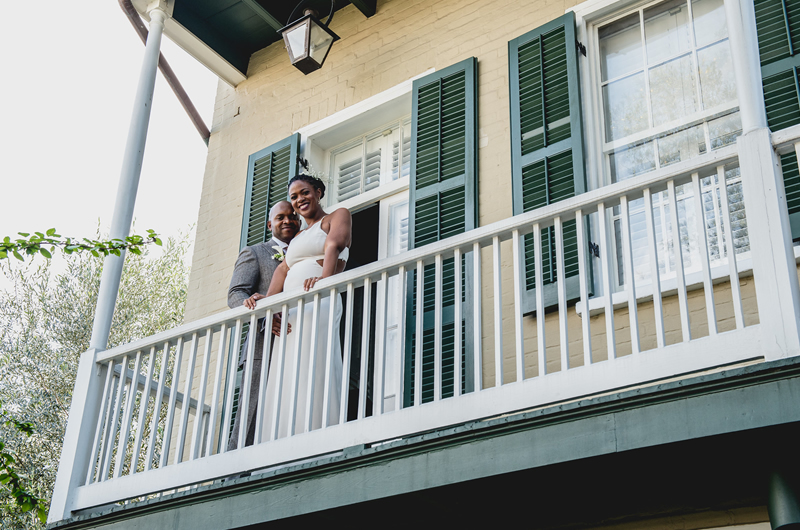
column 68, row 84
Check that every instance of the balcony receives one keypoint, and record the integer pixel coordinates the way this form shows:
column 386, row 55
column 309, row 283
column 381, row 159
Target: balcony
column 153, row 417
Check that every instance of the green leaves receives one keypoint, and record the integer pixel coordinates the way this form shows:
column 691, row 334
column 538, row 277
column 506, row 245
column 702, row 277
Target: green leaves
column 10, row 479
column 35, row 244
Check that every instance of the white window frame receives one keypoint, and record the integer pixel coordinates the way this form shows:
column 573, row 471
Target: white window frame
column 589, row 16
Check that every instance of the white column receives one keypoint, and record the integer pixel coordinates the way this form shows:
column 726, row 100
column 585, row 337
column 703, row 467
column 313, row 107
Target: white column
column 743, row 40
column 774, row 267
column 128, row 180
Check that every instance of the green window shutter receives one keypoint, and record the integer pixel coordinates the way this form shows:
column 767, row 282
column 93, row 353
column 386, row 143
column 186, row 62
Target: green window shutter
column 268, row 174
column 547, row 144
column 442, row 203
column 778, row 28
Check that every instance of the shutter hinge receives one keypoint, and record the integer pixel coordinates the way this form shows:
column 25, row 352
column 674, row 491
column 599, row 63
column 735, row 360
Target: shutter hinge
column 594, row 249
column 581, row 47
column 303, row 162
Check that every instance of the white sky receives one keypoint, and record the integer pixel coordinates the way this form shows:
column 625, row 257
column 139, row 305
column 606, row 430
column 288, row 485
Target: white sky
column 69, row 74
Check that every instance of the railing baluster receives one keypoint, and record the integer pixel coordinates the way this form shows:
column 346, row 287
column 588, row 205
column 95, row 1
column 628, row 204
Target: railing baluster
column 276, row 405
column 118, row 406
column 519, row 339
column 679, row 272
column 702, row 243
column 365, row 324
column 233, row 367
column 266, row 355
column 144, row 401
column 127, row 416
column 379, row 371
column 312, row 366
column 104, row 405
column 733, row 269
column 655, row 273
column 173, row 396
column 541, row 352
column 108, row 436
column 497, row 284
column 219, row 362
column 158, row 399
column 437, row 329
column 346, row 350
column 477, row 347
column 583, row 277
column 295, row 373
column 630, row 281
column 326, row 389
column 457, row 372
column 187, row 398
column 247, row 380
column 608, row 293
column 197, row 440
column 399, row 362
column 561, row 287
column 419, row 334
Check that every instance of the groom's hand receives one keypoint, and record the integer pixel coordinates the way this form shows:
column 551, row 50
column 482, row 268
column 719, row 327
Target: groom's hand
column 250, row 303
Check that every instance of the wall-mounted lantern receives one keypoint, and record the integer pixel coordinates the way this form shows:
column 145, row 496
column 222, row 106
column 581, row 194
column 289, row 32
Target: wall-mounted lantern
column 308, row 40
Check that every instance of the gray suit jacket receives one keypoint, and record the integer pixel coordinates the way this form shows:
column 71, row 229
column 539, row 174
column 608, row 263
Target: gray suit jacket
column 252, row 274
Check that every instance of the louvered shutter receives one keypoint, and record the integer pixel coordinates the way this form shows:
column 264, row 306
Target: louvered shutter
column 547, row 144
column 778, row 27
column 268, row 174
column 442, row 203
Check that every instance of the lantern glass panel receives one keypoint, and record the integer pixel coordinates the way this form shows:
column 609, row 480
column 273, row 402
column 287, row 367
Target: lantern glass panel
column 321, row 42
column 296, row 40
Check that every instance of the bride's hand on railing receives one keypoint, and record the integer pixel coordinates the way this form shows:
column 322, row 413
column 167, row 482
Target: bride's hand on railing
column 276, row 325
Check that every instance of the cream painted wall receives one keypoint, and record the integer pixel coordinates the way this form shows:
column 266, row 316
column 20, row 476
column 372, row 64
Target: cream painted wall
column 403, row 39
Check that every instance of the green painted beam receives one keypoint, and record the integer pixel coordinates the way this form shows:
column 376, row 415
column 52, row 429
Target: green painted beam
column 273, row 22
column 368, row 7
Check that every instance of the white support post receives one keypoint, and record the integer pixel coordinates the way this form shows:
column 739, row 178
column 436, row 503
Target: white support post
column 75, row 453
column 774, row 267
column 129, row 180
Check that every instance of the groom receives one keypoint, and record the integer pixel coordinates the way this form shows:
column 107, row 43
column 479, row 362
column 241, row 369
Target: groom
column 251, row 275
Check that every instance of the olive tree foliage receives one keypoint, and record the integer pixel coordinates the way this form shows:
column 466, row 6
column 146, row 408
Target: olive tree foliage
column 46, row 320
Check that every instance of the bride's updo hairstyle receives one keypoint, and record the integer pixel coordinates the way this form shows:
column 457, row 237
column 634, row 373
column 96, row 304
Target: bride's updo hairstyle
column 314, row 181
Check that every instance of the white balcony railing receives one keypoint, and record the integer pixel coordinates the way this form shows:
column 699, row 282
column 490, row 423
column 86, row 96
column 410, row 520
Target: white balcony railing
column 157, row 411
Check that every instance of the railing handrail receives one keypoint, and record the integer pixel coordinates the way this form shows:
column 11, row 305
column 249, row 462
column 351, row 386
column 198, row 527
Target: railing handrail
column 785, row 138
column 523, row 223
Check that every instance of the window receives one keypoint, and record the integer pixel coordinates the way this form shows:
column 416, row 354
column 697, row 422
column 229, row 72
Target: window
column 667, row 86
column 364, row 163
column 666, row 93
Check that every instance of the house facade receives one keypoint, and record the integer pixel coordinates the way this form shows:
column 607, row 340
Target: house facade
column 582, row 216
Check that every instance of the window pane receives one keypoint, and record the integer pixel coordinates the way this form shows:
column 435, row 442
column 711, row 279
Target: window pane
column 666, row 28
column 723, row 131
column 681, row 145
column 716, row 75
column 620, row 47
column 625, row 107
column 631, row 161
column 672, row 90
column 709, row 21
column 347, row 166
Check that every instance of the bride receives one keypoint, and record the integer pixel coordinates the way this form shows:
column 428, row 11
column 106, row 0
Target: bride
column 317, row 252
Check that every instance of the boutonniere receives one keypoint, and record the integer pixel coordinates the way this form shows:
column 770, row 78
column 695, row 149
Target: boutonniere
column 278, row 256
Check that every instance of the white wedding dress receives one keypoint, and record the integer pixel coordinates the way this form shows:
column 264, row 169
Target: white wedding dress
column 305, row 249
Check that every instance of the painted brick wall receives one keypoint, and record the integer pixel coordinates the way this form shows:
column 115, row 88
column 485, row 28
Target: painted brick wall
column 404, row 39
